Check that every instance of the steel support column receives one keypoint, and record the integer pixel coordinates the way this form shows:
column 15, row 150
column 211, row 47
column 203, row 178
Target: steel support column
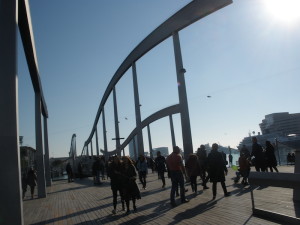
column 39, row 148
column 46, row 145
column 184, row 109
column 92, row 152
column 11, row 206
column 134, row 149
column 137, row 111
column 104, row 135
column 172, row 131
column 97, row 145
column 150, row 142
column 116, row 123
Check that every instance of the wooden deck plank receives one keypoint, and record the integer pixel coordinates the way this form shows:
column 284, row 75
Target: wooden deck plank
column 81, row 203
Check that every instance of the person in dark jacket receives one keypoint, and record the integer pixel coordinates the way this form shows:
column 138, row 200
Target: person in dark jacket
column 160, row 163
column 217, row 170
column 80, row 170
column 24, row 184
column 270, row 156
column 193, row 168
column 258, row 153
column 69, row 172
column 130, row 188
column 142, row 168
column 31, row 180
column 202, row 158
column 116, row 180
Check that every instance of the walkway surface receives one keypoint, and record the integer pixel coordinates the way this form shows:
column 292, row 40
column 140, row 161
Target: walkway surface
column 81, row 202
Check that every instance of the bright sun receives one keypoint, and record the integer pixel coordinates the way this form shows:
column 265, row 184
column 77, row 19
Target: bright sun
column 284, row 10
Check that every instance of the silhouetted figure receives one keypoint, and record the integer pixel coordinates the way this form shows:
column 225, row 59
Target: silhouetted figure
column 270, row 156
column 102, row 167
column 31, row 180
column 69, row 172
column 244, row 169
column 151, row 164
column 202, row 158
column 142, row 168
column 96, row 168
column 217, row 170
column 116, row 180
column 176, row 168
column 80, row 170
column 130, row 188
column 160, row 163
column 193, row 169
column 230, row 157
column 257, row 152
column 24, row 184
column 244, row 150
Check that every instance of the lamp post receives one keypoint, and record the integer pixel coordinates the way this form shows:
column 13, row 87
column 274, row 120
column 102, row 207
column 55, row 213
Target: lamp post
column 118, row 146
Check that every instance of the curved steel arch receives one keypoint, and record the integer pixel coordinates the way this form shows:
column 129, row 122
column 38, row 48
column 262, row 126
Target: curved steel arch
column 189, row 14
column 150, row 119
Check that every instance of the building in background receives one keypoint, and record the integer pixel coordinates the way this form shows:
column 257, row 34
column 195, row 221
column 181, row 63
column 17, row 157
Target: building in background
column 163, row 150
column 27, row 156
column 282, row 123
column 282, row 130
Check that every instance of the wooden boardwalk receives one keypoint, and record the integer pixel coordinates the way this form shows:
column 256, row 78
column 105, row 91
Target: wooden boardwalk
column 81, row 203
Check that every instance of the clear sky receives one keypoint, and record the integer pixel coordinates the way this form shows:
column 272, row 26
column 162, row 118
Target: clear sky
column 245, row 56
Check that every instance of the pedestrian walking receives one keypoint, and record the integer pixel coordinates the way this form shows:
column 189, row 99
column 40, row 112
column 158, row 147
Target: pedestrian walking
column 202, row 158
column 270, row 157
column 177, row 170
column 258, row 153
column 160, row 162
column 116, row 181
column 31, row 180
column 193, row 170
column 217, row 170
column 142, row 168
column 130, row 189
column 69, row 172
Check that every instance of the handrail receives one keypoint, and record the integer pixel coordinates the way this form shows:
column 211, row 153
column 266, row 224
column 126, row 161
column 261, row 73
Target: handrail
column 284, row 180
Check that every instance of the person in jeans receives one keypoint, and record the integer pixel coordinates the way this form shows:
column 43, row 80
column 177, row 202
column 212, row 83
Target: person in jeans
column 142, row 168
column 176, row 168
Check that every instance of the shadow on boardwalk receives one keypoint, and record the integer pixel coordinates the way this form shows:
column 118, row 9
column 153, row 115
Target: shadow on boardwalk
column 81, row 202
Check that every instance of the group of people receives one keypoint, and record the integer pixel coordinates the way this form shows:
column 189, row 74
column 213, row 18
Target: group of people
column 98, row 169
column 211, row 167
column 123, row 174
column 262, row 159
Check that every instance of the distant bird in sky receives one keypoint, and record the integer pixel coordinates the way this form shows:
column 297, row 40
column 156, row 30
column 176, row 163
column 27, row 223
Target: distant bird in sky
column 208, row 96
column 126, row 118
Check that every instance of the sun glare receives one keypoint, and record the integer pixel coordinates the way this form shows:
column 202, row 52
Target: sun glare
column 284, row 10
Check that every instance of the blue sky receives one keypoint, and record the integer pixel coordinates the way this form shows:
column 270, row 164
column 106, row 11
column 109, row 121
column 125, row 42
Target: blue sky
column 243, row 56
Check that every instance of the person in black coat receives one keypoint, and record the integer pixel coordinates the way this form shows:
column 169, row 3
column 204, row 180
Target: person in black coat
column 69, row 172
column 130, row 188
column 217, row 170
column 258, row 153
column 31, row 180
column 270, row 156
column 116, row 180
column 202, row 158
column 160, row 163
